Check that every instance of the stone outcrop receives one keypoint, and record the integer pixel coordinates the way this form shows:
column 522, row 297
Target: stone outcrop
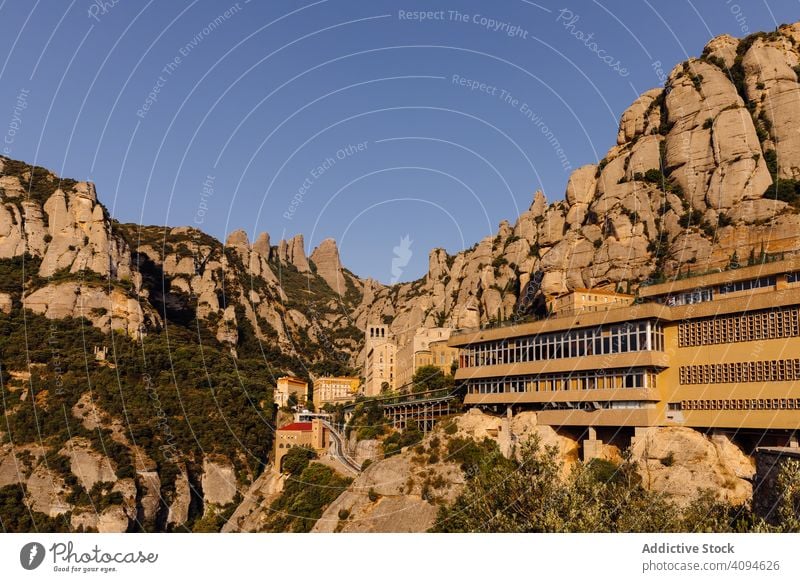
column 108, row 310
column 292, row 252
column 326, row 259
column 178, row 512
column 397, row 494
column 5, row 303
column 87, row 465
column 253, row 512
column 681, row 462
column 219, row 482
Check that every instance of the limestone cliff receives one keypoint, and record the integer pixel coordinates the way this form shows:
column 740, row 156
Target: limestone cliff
column 703, row 168
column 402, row 493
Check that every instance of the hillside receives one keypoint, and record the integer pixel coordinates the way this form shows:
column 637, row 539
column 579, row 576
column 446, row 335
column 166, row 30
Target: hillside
column 174, row 425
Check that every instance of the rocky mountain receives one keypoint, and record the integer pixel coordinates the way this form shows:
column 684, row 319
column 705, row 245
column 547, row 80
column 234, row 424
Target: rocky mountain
column 704, row 167
column 705, row 171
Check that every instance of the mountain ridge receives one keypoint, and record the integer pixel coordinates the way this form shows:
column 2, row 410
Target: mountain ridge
column 705, row 174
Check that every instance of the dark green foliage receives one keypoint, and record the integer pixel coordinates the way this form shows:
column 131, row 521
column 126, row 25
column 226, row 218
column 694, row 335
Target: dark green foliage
column 691, row 217
column 215, row 518
column 178, row 398
column 396, row 441
column 784, row 189
column 305, row 498
column 367, row 420
column 39, row 183
column 17, row 272
column 297, row 459
column 15, row 517
column 471, row 455
column 429, row 378
column 531, row 495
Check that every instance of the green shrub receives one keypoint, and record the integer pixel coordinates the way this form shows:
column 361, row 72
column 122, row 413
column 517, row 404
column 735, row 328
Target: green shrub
column 397, row 441
column 297, row 459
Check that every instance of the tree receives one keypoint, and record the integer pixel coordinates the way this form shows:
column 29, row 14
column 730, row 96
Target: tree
column 297, row 459
column 532, row 494
column 428, row 378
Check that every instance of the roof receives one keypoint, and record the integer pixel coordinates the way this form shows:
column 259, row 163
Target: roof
column 294, row 379
column 303, row 426
column 721, row 277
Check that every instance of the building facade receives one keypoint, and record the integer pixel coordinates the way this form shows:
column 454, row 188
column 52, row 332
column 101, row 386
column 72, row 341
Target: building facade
column 719, row 351
column 380, row 352
column 288, row 385
column 331, row 390
column 312, row 435
column 415, row 352
column 583, row 300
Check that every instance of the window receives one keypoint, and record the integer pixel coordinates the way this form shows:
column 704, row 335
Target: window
column 747, row 285
column 754, row 326
column 629, row 337
column 736, row 372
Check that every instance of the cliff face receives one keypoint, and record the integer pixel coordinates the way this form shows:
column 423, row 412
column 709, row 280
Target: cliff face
column 703, row 167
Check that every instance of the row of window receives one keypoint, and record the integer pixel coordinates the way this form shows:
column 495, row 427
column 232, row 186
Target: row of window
column 746, row 327
column 689, row 297
column 738, row 404
column 793, row 277
column 701, row 295
column 629, row 337
column 735, row 372
column 599, row 405
column 747, row 285
column 574, row 381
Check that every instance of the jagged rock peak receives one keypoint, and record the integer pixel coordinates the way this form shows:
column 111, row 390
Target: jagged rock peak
column 539, row 203
column 262, row 247
column 238, row 240
column 326, row 259
column 292, row 252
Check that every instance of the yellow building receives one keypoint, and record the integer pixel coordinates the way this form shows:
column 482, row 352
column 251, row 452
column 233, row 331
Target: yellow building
column 582, row 300
column 288, row 385
column 379, row 359
column 417, row 351
column 330, row 390
column 312, row 434
column 719, row 351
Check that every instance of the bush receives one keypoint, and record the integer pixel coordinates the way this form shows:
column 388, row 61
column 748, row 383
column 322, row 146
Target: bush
column 373, row 495
column 297, row 459
column 428, row 378
column 397, row 441
column 471, row 455
column 344, row 514
column 304, row 498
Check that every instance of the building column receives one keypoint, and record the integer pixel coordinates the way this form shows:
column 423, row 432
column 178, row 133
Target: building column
column 592, row 446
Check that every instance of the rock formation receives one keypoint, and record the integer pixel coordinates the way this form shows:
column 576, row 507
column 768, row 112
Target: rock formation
column 326, row 259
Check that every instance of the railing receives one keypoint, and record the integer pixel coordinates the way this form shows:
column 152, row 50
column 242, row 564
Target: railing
column 418, row 397
column 340, row 449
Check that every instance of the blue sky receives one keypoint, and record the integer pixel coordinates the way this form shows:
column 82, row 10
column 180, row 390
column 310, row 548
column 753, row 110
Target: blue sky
column 362, row 121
